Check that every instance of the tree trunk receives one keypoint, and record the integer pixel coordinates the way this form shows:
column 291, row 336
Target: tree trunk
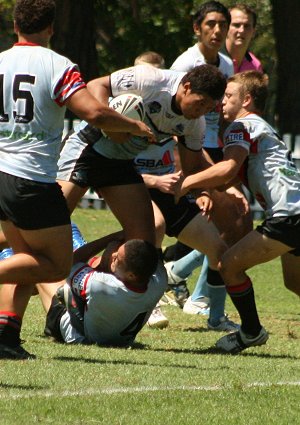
column 286, row 15
column 74, row 35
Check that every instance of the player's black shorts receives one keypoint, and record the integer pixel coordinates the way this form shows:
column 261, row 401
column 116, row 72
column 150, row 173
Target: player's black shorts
column 283, row 229
column 32, row 205
column 176, row 216
column 96, row 171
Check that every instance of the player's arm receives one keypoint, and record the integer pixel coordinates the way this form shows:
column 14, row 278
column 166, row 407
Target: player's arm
column 165, row 183
column 83, row 104
column 100, row 88
column 85, row 252
column 191, row 163
column 220, row 174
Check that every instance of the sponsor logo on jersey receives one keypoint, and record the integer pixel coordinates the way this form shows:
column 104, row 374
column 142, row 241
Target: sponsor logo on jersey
column 78, row 280
column 154, row 163
column 235, row 136
column 17, row 135
column 126, row 79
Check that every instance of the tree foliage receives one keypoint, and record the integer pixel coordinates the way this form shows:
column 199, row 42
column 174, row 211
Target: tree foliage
column 104, row 35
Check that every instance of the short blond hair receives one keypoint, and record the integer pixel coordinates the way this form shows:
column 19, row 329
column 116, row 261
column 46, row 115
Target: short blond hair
column 256, row 84
column 151, row 58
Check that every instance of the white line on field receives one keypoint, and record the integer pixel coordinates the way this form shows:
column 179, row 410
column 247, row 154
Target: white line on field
column 132, row 390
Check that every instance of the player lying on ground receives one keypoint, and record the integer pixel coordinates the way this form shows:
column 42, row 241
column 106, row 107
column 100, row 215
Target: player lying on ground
column 115, row 295
column 254, row 153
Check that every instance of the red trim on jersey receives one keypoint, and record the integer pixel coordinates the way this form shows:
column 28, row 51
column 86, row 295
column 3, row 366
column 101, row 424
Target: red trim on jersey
column 254, row 146
column 70, row 82
column 86, row 279
column 26, row 43
column 134, row 289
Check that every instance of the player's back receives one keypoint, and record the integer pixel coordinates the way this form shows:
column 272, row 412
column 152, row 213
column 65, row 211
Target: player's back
column 33, row 82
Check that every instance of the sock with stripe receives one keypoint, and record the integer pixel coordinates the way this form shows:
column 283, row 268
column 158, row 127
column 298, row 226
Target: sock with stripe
column 10, row 328
column 243, row 299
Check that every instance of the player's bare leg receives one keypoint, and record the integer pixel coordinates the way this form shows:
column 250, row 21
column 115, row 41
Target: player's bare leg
column 14, row 298
column 255, row 248
column 46, row 293
column 291, row 272
column 43, row 255
column 131, row 205
column 160, row 225
column 226, row 215
column 3, row 241
column 203, row 236
column 72, row 193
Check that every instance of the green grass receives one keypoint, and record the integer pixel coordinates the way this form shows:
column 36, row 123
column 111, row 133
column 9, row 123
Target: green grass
column 172, row 376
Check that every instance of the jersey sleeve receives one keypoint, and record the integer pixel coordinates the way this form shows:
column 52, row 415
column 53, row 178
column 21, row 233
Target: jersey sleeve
column 140, row 80
column 79, row 277
column 237, row 134
column 68, row 84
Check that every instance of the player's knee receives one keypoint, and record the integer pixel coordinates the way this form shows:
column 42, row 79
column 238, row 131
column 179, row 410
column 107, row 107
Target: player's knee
column 58, row 272
column 225, row 270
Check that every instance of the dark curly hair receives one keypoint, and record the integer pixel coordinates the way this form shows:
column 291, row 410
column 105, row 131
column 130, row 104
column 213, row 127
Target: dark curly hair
column 206, row 79
column 141, row 258
column 33, row 16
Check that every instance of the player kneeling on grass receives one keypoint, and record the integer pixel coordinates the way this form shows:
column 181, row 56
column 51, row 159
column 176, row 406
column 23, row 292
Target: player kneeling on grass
column 109, row 301
column 254, row 153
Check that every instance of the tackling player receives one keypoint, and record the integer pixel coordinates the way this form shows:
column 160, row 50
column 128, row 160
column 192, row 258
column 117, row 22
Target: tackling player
column 254, row 152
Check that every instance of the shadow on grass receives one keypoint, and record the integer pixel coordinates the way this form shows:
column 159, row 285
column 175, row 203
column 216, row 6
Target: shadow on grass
column 216, row 351
column 21, row 387
column 119, row 362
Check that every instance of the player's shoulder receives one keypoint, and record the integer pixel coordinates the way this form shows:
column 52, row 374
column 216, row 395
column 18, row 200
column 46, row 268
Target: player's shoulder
column 245, row 128
column 56, row 57
column 226, row 65
column 188, row 59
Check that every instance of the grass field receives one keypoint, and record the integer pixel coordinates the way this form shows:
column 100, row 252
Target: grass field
column 172, row 376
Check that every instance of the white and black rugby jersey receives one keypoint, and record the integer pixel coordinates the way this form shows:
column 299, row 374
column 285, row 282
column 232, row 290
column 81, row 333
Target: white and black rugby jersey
column 268, row 171
column 35, row 82
column 157, row 87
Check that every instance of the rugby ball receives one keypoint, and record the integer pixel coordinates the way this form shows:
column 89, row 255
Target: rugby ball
column 130, row 105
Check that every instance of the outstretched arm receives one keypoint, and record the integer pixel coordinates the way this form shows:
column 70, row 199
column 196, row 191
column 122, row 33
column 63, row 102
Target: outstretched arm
column 220, row 174
column 85, row 252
